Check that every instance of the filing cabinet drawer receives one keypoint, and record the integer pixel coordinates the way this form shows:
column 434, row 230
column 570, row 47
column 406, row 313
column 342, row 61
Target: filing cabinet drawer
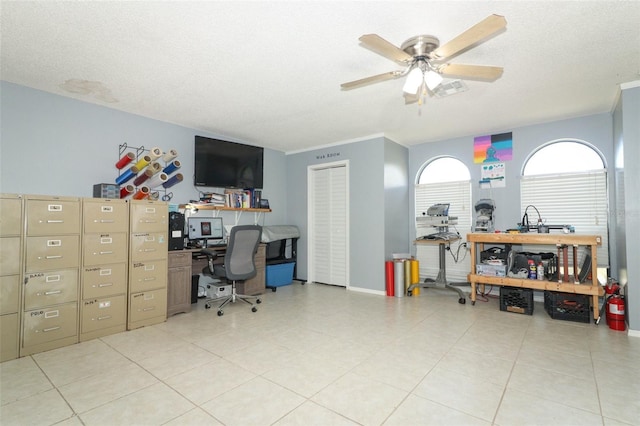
column 179, row 258
column 148, row 304
column 9, row 255
column 57, row 252
column 103, row 313
column 49, row 324
column 105, row 215
column 147, row 246
column 101, row 281
column 147, row 275
column 149, row 216
column 53, row 216
column 50, row 288
column 10, row 215
column 9, row 294
column 101, row 249
column 8, row 337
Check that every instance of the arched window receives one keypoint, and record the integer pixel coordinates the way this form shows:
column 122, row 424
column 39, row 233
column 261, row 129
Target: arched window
column 566, row 181
column 443, row 180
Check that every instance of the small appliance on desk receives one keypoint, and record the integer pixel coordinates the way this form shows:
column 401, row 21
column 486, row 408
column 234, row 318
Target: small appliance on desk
column 437, row 216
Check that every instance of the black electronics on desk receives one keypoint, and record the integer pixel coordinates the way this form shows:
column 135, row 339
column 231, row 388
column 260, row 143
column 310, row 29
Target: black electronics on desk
column 176, row 231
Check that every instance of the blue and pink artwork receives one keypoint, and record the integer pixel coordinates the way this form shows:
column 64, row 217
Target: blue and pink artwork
column 490, row 148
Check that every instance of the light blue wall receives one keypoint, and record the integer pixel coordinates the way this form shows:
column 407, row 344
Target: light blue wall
column 53, row 145
column 371, row 240
column 627, row 145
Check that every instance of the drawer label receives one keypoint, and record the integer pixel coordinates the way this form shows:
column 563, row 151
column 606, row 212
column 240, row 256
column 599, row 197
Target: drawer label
column 106, row 240
column 106, row 209
column 52, row 314
column 54, row 207
column 151, row 210
column 105, row 304
column 54, row 243
column 52, row 278
column 105, row 272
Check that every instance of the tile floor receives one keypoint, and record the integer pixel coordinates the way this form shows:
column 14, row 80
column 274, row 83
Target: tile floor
column 321, row 355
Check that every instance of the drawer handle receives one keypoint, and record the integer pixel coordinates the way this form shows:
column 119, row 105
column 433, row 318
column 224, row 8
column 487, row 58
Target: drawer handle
column 105, row 221
column 150, row 308
column 104, row 317
column 54, row 257
column 148, row 250
column 55, row 221
column 104, row 285
column 149, row 279
column 106, row 252
column 51, row 329
column 49, row 293
column 149, row 221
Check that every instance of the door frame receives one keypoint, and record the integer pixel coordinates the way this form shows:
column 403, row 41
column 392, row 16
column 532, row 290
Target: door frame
column 310, row 224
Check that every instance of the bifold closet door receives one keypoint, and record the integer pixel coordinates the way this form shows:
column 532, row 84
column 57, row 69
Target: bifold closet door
column 328, row 217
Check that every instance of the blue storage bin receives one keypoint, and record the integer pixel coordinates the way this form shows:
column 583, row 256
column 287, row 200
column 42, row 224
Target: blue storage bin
column 279, row 274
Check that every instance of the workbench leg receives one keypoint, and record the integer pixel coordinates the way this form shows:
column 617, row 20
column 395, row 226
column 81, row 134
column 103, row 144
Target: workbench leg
column 473, row 292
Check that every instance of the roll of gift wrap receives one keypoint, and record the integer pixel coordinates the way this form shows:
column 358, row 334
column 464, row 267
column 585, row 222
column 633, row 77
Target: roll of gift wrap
column 155, row 167
column 388, row 276
column 143, row 162
column 407, row 274
column 126, row 159
column 398, row 278
column 143, row 177
column 155, row 152
column 157, row 180
column 169, row 156
column 142, row 193
column 127, row 175
column 126, row 190
column 415, row 276
column 173, row 180
column 172, row 167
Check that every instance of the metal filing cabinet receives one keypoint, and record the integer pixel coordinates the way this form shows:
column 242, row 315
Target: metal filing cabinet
column 148, row 249
column 51, row 273
column 10, row 268
column 103, row 306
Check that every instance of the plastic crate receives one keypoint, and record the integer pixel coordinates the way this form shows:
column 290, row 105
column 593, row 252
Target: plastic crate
column 518, row 300
column 279, row 275
column 567, row 306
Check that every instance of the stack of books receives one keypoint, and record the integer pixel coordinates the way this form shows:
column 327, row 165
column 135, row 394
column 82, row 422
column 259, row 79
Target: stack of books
column 242, row 198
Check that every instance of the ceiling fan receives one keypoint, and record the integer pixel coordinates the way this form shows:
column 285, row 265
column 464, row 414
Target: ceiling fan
column 424, row 60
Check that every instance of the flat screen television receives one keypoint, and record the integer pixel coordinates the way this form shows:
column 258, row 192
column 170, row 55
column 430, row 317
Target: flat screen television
column 224, row 164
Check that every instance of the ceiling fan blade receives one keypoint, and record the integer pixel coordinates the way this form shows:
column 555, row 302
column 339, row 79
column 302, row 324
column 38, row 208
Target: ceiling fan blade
column 489, row 26
column 410, row 98
column 370, row 80
column 477, row 72
column 383, row 47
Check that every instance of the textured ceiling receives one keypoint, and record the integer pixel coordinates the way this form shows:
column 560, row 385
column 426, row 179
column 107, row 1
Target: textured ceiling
column 269, row 72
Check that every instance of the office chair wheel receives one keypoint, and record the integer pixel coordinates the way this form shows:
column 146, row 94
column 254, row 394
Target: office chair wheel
column 254, row 309
column 258, row 301
column 273, row 289
column 207, row 306
column 462, row 301
column 220, row 313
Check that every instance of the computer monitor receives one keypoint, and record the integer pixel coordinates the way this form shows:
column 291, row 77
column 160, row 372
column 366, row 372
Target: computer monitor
column 205, row 228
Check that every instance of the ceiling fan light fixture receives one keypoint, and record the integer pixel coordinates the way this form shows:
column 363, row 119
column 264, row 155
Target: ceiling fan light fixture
column 432, row 79
column 413, row 81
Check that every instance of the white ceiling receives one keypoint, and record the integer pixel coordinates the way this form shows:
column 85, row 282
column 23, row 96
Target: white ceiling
column 269, row 72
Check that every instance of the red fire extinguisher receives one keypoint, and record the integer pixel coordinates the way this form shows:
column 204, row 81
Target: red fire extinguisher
column 615, row 312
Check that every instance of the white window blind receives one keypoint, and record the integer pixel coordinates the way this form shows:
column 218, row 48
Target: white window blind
column 458, row 195
column 577, row 199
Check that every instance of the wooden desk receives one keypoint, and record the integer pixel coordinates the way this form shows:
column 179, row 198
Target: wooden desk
column 441, row 279
column 591, row 287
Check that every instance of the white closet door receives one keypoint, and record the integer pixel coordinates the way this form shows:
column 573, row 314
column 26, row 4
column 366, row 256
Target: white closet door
column 329, row 210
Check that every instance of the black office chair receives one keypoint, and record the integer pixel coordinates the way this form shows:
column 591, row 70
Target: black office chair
column 239, row 264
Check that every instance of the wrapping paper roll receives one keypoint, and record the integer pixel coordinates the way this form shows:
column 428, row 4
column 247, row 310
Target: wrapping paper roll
column 388, row 275
column 155, row 152
column 126, row 190
column 172, row 167
column 128, row 175
column 157, row 180
column 143, row 177
column 155, row 167
column 143, row 162
column 177, row 178
column 126, row 159
column 415, row 276
column 142, row 193
column 169, row 156
column 407, row 274
column 398, row 277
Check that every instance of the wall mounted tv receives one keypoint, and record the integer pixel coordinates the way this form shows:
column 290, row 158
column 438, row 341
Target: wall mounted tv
column 224, row 164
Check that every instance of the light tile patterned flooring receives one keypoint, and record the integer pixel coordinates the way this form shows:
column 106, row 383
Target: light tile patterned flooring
column 321, row 355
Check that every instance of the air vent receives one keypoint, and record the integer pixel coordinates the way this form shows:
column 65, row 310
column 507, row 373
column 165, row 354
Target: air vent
column 450, row 88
